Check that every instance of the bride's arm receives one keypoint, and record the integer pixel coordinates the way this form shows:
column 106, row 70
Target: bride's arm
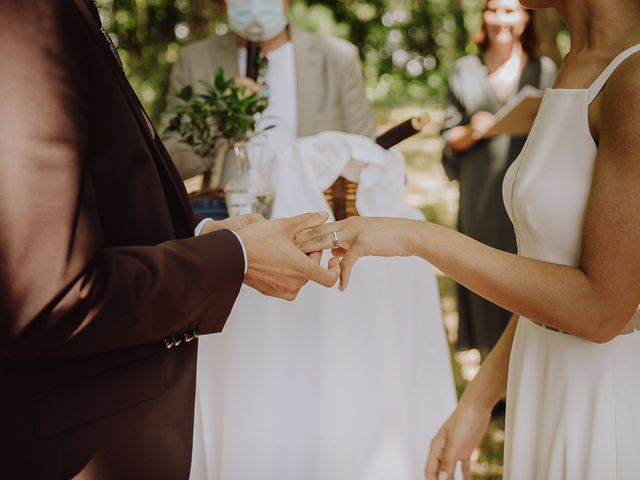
column 594, row 300
column 598, row 298
column 463, row 431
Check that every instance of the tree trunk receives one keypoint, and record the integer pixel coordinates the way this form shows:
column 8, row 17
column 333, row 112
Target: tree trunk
column 200, row 18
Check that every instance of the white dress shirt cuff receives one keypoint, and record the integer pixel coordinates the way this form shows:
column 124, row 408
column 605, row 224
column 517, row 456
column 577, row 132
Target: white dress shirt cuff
column 201, row 225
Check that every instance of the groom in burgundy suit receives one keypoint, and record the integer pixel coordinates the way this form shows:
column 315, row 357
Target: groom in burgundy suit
column 106, row 279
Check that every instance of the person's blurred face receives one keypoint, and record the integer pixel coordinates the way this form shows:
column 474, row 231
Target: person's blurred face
column 257, row 19
column 285, row 4
column 505, row 21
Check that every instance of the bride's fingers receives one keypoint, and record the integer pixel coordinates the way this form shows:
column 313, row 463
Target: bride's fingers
column 321, row 235
column 438, row 445
column 338, row 252
column 334, row 265
column 346, row 264
column 307, row 235
column 466, row 469
column 325, row 241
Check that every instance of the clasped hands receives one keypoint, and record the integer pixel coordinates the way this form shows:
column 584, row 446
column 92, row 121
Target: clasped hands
column 283, row 254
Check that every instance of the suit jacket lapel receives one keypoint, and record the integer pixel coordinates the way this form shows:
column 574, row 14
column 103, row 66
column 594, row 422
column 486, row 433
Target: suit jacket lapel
column 169, row 176
column 308, row 72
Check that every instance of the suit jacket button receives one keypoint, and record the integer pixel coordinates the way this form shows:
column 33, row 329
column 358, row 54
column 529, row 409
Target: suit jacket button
column 169, row 343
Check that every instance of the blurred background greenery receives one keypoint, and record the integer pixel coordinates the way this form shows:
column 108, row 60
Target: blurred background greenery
column 407, row 48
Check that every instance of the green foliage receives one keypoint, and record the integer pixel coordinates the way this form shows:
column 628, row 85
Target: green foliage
column 143, row 31
column 408, row 46
column 223, row 113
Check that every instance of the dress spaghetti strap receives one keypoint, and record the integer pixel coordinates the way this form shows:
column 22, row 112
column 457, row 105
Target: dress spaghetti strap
column 599, row 82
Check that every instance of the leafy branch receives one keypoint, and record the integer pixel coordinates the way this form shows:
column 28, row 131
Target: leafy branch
column 223, row 113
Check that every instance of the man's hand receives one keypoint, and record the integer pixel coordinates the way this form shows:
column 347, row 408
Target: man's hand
column 232, row 223
column 276, row 266
column 250, row 86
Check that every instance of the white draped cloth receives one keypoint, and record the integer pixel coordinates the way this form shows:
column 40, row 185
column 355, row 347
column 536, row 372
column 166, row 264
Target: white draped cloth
column 339, row 386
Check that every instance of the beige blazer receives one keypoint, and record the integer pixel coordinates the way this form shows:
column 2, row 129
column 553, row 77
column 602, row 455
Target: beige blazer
column 330, row 88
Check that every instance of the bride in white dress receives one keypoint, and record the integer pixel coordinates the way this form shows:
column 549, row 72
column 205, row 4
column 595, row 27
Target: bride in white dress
column 573, row 348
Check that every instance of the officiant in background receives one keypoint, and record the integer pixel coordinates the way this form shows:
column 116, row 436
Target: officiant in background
column 479, row 86
column 312, row 82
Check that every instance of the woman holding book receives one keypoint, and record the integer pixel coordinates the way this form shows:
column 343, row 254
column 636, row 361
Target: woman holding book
column 568, row 361
column 480, row 86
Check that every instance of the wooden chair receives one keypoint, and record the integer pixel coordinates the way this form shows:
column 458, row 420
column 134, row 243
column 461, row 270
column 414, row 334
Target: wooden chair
column 341, row 196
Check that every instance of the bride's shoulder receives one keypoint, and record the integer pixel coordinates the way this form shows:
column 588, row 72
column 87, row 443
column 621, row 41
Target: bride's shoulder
column 619, row 114
column 627, row 76
column 621, row 95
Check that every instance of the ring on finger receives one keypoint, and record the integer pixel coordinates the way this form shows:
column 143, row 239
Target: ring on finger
column 334, row 240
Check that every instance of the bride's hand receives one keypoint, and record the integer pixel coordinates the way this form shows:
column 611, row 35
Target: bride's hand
column 455, row 441
column 360, row 237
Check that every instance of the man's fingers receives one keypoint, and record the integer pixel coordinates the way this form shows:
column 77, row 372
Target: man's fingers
column 349, row 259
column 232, row 223
column 334, row 266
column 249, row 84
column 323, row 276
column 326, row 237
column 310, row 234
column 305, row 221
column 315, row 256
column 250, row 218
column 435, row 453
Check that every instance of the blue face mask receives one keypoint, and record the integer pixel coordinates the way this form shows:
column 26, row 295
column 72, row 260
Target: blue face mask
column 257, row 20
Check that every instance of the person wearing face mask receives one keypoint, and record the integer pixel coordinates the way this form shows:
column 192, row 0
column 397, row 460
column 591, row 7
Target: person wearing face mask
column 313, row 83
column 479, row 86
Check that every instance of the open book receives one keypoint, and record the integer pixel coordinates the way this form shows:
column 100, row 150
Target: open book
column 517, row 116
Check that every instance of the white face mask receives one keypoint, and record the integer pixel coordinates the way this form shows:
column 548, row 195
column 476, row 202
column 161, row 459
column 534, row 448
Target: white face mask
column 257, row 20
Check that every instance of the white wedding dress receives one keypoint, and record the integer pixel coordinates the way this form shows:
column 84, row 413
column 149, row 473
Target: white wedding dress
column 332, row 386
column 573, row 407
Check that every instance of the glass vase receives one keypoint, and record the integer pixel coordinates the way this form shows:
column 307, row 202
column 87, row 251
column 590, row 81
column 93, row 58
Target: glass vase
column 250, row 191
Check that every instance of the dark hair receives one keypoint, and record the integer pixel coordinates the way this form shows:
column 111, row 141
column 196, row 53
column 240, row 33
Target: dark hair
column 529, row 40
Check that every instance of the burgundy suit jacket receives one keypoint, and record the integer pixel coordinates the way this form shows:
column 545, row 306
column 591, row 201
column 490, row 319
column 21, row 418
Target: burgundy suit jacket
column 99, row 270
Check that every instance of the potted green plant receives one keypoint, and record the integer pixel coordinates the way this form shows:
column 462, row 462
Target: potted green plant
column 212, row 122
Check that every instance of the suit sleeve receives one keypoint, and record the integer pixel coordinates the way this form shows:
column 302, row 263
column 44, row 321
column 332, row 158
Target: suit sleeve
column 357, row 115
column 61, row 292
column 186, row 161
